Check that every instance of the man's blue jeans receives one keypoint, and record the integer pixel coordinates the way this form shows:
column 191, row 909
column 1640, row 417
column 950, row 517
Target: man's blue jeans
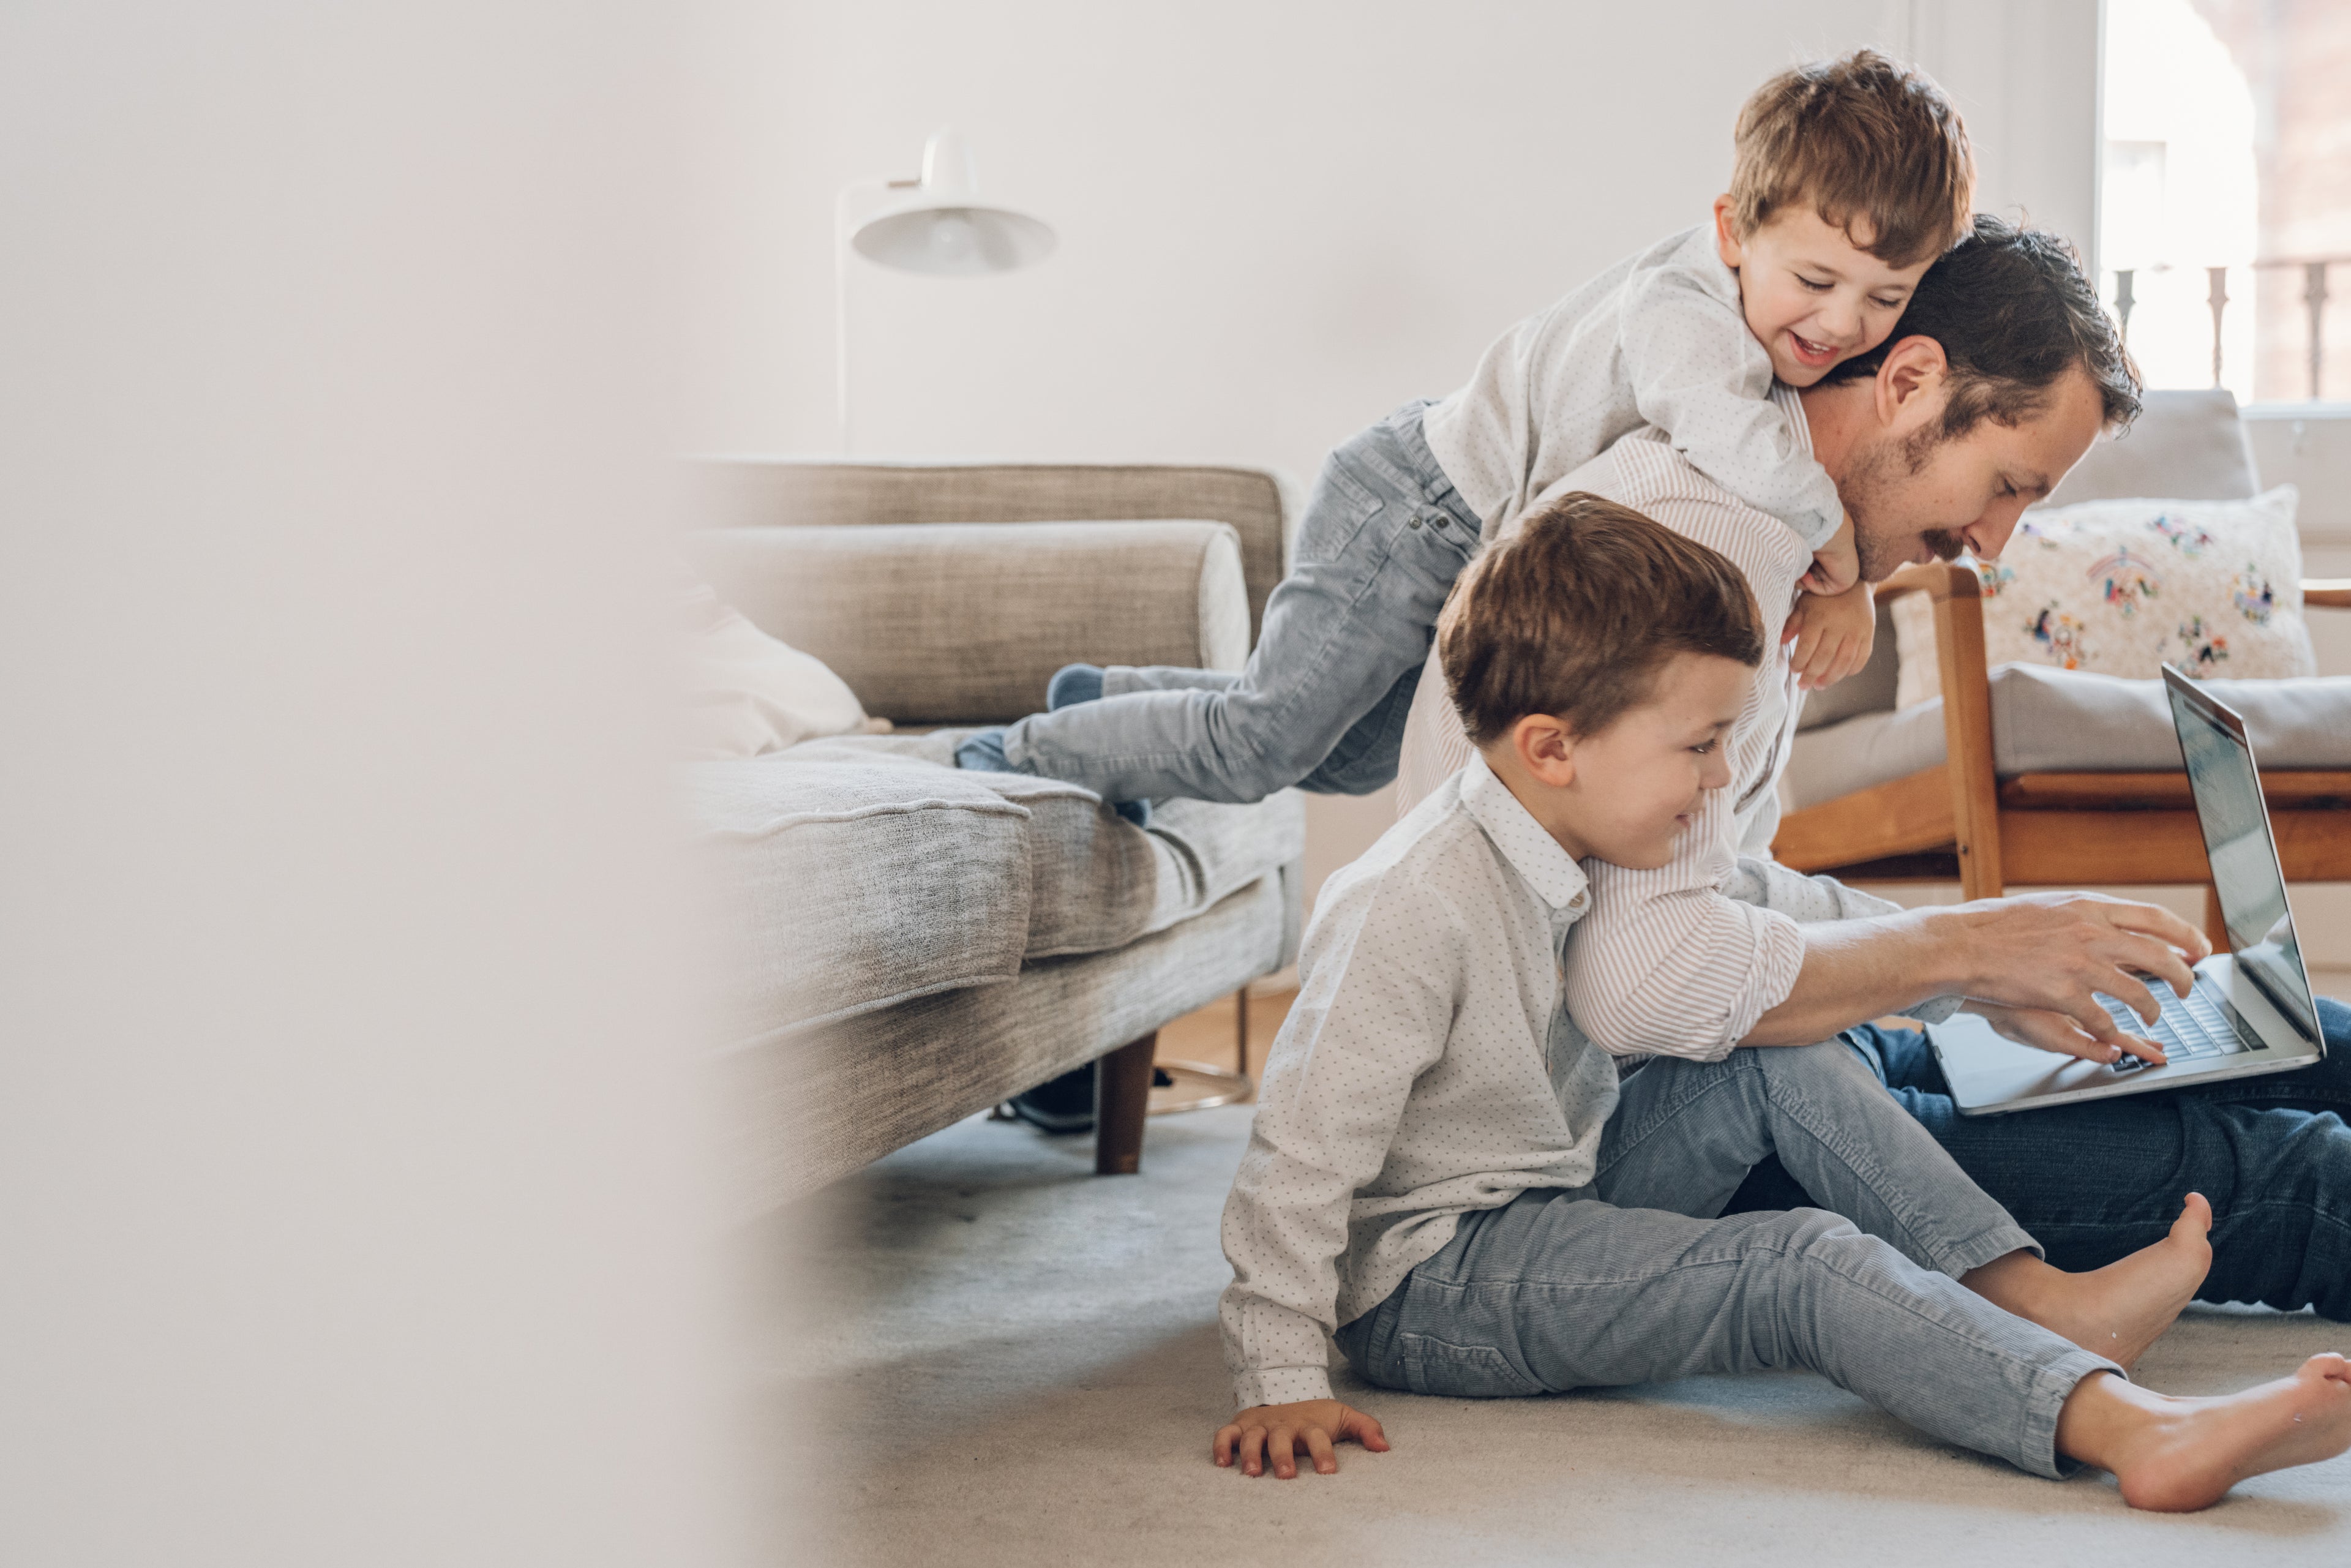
column 2094, row 1182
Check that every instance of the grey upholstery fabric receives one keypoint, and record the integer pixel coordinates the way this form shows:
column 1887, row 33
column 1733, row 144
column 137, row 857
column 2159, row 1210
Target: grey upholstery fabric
column 800, row 493
column 2065, row 721
column 932, row 878
column 2185, row 445
column 946, row 622
column 798, row 1109
column 1098, row 882
column 847, row 885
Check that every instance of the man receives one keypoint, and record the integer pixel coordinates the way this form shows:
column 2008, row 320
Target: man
column 2004, row 370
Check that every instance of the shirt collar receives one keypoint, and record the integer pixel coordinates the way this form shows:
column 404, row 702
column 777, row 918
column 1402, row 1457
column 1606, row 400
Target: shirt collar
column 1792, row 403
column 1532, row 852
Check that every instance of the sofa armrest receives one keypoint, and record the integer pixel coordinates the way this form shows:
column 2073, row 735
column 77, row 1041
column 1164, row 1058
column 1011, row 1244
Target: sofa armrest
column 822, row 492
column 964, row 623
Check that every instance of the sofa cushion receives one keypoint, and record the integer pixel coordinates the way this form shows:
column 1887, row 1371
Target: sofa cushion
column 1099, row 883
column 937, row 622
column 864, row 871
column 843, row 886
column 2067, row 721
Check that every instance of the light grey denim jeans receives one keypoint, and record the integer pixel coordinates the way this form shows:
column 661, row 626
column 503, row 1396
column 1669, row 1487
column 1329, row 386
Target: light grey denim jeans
column 1323, row 699
column 1634, row 1279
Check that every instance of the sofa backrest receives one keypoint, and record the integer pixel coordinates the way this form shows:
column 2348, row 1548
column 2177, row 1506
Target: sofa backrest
column 2184, row 445
column 797, row 492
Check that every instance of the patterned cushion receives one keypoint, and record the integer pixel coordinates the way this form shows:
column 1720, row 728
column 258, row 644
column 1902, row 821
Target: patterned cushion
column 2123, row 586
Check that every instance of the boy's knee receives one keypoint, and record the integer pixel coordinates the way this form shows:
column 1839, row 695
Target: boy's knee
column 1828, row 1061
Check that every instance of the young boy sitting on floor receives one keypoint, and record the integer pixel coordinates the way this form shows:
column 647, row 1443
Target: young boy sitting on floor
column 1449, row 1177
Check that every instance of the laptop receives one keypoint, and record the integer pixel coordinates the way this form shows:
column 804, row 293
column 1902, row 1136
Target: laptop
column 2251, row 1011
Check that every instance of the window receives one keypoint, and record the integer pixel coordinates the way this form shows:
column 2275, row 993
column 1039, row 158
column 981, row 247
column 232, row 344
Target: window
column 2224, row 220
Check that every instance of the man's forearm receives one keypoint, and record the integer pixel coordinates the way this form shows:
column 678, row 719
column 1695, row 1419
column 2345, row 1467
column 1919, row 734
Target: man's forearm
column 1856, row 970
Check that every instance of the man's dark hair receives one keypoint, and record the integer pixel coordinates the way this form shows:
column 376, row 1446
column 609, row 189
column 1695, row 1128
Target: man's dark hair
column 1576, row 613
column 2013, row 311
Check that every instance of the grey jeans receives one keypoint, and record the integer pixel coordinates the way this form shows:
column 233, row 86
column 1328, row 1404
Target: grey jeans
column 1323, row 699
column 1634, row 1279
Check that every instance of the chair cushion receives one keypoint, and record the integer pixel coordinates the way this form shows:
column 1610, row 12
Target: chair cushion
column 2186, row 444
column 2122, row 588
column 2191, row 444
column 2063, row 721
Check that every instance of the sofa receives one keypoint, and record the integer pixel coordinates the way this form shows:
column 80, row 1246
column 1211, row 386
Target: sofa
column 902, row 944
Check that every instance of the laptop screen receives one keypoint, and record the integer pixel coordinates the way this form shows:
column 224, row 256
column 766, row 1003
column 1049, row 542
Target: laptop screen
column 2244, row 860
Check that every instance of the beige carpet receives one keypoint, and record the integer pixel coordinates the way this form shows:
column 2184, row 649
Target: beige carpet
column 977, row 1352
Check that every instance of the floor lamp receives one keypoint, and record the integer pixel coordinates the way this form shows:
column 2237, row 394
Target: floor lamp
column 936, row 224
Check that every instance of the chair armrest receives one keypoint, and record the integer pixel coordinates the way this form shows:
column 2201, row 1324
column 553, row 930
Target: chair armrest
column 961, row 622
column 2326, row 592
column 1958, row 595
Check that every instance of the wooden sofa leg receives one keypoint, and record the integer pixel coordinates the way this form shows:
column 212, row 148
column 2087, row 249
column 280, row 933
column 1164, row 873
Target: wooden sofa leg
column 1122, row 1099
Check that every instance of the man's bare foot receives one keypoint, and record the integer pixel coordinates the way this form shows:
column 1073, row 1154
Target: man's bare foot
column 2115, row 1311
column 2176, row 1455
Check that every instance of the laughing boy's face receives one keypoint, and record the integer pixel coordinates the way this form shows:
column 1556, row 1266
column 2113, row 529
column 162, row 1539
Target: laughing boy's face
column 1811, row 295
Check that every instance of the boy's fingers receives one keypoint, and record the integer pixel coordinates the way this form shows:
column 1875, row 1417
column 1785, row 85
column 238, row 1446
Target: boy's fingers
column 1253, row 1451
column 1220, row 1448
column 1365, row 1429
column 1318, row 1444
column 1281, row 1447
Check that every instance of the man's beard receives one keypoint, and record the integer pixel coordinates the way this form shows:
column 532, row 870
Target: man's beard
column 1869, row 489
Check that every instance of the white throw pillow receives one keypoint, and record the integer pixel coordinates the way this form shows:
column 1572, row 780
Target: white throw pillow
column 747, row 693
column 2123, row 586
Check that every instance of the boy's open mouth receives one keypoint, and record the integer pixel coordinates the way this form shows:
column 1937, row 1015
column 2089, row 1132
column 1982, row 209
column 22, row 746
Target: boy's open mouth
column 1811, row 355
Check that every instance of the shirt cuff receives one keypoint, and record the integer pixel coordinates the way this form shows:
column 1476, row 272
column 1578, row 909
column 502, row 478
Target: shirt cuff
column 1280, row 1386
column 1779, row 960
column 1935, row 1010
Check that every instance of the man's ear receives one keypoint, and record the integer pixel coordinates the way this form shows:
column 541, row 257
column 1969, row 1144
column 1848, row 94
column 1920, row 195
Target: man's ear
column 1545, row 748
column 1726, row 241
column 1915, row 369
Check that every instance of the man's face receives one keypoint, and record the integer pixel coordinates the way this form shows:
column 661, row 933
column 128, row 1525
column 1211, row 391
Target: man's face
column 1916, row 497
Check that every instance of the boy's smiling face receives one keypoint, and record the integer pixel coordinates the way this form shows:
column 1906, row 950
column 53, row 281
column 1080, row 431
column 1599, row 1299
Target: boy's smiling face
column 1812, row 297
column 1626, row 793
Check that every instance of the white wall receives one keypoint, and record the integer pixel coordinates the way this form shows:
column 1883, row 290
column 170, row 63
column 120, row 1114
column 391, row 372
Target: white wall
column 347, row 1158
column 1277, row 221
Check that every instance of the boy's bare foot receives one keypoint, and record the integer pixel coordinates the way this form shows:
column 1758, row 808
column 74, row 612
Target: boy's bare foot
column 2115, row 1311
column 2174, row 1455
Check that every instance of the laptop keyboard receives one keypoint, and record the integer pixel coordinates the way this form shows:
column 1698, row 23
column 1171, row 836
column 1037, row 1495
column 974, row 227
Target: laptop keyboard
column 2200, row 1025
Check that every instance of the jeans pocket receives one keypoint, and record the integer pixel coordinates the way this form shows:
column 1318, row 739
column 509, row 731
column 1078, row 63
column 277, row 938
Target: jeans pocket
column 1460, row 1371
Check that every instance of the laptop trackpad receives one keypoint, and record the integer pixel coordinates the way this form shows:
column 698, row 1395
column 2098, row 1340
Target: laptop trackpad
column 1984, row 1069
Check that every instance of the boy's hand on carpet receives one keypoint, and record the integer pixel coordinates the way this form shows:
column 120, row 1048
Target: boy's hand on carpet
column 1272, row 1434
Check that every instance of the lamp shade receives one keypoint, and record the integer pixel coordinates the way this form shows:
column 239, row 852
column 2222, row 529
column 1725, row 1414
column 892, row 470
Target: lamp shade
column 943, row 227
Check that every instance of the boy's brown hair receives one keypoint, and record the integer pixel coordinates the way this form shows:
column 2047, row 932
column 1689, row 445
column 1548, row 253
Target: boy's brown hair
column 1865, row 141
column 1576, row 613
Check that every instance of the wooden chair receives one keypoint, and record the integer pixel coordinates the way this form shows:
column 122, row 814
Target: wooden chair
column 1959, row 821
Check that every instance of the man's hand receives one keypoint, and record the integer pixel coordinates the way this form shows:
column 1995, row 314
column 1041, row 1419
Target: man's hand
column 2056, row 1032
column 1274, row 1433
column 1832, row 634
column 1836, row 565
column 2050, row 951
